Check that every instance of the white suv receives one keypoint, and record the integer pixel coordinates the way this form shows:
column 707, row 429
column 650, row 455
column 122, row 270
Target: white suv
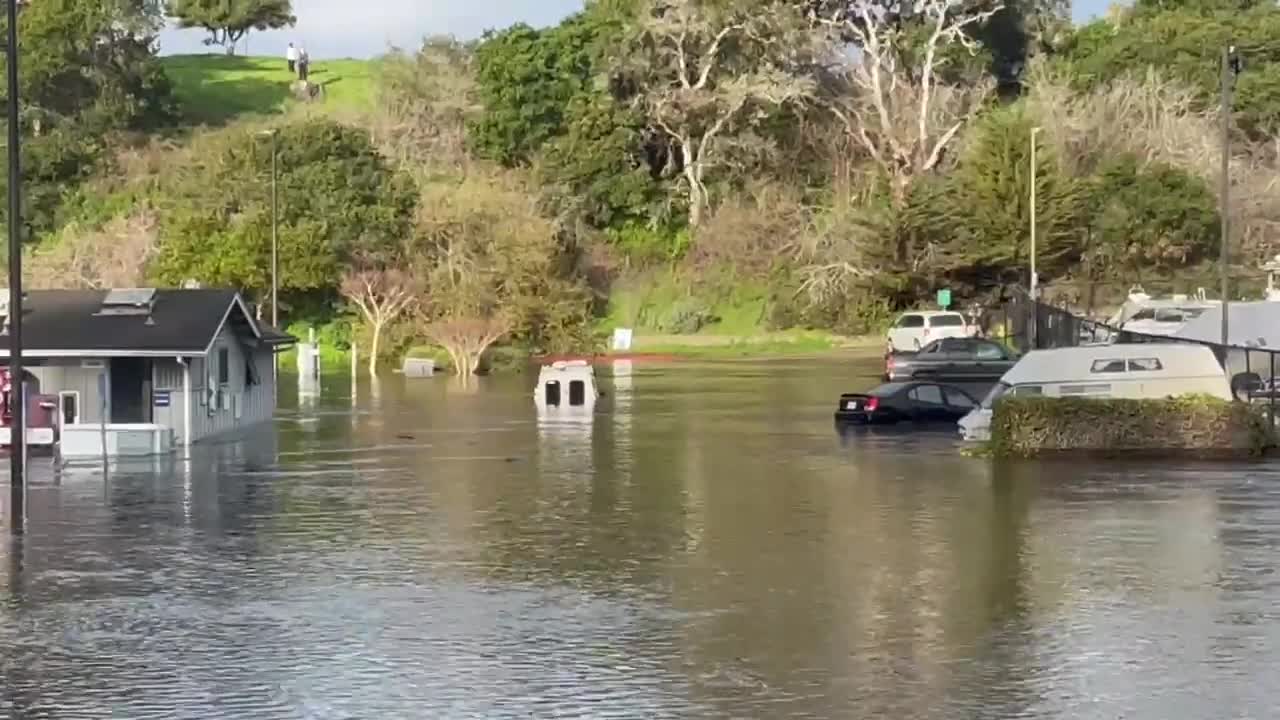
column 914, row 330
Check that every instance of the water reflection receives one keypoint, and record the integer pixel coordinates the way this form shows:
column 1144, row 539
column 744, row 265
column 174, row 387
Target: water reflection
column 702, row 545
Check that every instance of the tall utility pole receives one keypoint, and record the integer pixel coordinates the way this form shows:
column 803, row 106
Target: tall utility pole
column 17, row 394
column 1035, row 282
column 275, row 227
column 1231, row 67
column 275, row 230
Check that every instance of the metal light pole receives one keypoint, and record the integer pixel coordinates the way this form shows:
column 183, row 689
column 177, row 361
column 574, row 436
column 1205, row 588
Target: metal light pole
column 275, row 239
column 1230, row 68
column 17, row 395
column 275, row 227
column 1035, row 283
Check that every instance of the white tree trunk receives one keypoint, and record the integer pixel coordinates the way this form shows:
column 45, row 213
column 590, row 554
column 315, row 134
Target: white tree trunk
column 373, row 349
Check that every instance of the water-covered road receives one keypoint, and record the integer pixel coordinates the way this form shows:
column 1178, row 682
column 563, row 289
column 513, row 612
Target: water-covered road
column 708, row 547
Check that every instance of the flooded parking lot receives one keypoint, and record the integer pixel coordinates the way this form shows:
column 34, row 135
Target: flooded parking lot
column 708, row 546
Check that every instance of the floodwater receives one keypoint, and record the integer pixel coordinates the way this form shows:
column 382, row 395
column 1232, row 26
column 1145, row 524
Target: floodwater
column 707, row 547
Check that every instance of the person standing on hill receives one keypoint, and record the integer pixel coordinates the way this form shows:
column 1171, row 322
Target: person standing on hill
column 292, row 56
column 304, row 63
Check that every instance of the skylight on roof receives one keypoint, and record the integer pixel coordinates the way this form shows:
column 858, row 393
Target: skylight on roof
column 129, row 297
column 128, row 301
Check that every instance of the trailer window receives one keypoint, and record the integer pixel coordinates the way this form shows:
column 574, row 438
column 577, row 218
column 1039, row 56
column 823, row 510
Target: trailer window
column 1144, row 365
column 1107, row 366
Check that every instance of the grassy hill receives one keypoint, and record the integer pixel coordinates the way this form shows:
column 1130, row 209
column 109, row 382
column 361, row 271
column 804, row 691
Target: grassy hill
column 215, row 89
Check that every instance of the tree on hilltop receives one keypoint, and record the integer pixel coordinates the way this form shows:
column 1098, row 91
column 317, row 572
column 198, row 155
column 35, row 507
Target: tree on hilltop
column 228, row 20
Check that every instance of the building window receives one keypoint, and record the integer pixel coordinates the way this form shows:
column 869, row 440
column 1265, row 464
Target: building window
column 224, row 366
column 69, row 407
column 250, row 374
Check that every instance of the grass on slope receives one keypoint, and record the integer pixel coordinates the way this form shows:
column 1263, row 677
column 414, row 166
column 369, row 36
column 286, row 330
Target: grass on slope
column 215, row 89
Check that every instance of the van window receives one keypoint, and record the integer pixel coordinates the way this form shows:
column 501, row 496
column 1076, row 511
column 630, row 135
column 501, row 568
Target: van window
column 1144, row 365
column 946, row 321
column 1107, row 366
column 1094, row 389
column 910, row 321
column 928, row 394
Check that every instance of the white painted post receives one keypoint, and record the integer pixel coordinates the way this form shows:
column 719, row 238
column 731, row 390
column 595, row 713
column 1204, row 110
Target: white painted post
column 103, row 389
column 355, row 368
column 186, row 402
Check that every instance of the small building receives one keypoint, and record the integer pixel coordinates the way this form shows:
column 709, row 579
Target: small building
column 151, row 367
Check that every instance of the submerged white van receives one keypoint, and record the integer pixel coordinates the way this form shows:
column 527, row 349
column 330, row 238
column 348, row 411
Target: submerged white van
column 1105, row 371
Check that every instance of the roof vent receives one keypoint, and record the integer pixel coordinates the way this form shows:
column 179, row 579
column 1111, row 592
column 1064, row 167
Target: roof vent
column 128, row 301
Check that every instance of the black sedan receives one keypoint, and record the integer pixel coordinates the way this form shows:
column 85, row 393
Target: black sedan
column 916, row 402
column 951, row 359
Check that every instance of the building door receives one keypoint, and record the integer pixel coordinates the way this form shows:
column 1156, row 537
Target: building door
column 130, row 390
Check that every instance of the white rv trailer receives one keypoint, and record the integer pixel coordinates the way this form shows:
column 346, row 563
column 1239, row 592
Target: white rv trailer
column 1143, row 370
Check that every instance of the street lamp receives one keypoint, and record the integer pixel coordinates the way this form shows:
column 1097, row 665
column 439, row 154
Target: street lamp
column 1035, row 283
column 275, row 228
column 17, row 394
column 1231, row 67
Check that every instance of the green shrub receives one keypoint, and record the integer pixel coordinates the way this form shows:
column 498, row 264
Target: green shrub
column 1026, row 426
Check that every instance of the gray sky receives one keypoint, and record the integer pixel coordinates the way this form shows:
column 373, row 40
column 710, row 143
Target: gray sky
column 366, row 28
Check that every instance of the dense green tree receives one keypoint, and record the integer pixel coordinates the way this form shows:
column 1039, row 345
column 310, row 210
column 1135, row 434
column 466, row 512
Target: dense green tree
column 88, row 69
column 1150, row 220
column 973, row 226
column 228, row 20
column 597, row 166
column 1186, row 44
column 337, row 198
column 526, row 79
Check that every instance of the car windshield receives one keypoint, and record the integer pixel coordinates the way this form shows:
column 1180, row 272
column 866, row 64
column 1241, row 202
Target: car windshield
column 887, row 389
column 946, row 321
column 996, row 393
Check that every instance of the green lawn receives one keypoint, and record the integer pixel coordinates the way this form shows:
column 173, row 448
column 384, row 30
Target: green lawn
column 215, row 89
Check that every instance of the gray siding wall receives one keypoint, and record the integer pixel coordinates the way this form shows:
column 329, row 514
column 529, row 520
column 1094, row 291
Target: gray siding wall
column 69, row 375
column 218, row 409
column 240, row 405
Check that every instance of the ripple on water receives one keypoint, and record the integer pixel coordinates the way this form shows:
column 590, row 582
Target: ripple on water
column 711, row 548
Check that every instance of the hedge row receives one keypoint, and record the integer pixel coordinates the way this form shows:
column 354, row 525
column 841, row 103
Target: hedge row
column 1026, row 426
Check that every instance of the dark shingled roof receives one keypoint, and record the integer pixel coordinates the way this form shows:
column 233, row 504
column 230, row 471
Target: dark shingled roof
column 182, row 321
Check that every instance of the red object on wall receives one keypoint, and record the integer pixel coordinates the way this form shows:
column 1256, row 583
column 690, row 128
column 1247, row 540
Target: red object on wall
column 41, row 409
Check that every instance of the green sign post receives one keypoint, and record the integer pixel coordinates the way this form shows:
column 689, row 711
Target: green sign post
column 944, row 298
